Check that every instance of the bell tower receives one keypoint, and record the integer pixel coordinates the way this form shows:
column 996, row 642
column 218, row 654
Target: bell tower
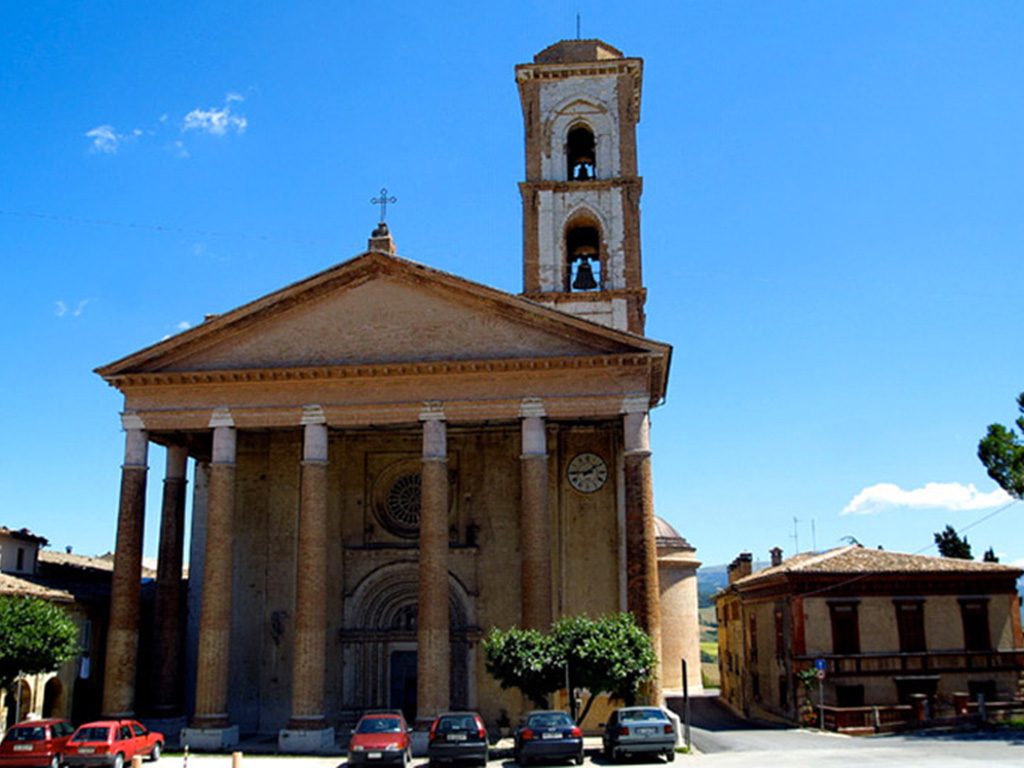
column 581, row 197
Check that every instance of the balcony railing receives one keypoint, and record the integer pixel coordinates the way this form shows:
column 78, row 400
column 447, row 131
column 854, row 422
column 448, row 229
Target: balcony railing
column 934, row 662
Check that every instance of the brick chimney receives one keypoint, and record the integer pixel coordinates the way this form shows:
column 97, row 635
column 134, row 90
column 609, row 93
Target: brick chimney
column 776, row 553
column 741, row 566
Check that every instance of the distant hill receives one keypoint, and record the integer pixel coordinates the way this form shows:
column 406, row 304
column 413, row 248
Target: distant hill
column 711, row 578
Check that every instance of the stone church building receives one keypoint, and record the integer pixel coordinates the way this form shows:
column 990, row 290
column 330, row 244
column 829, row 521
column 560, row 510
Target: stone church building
column 389, row 460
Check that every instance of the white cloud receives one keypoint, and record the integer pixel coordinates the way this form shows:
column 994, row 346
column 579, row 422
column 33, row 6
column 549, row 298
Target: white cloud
column 954, row 497
column 104, row 139
column 61, row 308
column 217, row 122
column 184, row 325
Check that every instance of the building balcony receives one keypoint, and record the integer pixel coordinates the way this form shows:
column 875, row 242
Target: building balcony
column 928, row 662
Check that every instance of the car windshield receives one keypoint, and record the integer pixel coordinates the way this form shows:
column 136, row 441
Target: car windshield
column 27, row 733
column 379, row 725
column 550, row 720
column 94, row 733
column 634, row 715
column 451, row 723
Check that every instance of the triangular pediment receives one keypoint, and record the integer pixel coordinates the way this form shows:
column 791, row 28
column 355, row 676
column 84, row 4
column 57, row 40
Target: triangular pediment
column 377, row 309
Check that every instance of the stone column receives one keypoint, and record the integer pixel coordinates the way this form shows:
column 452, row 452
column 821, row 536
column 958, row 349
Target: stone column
column 432, row 633
column 535, row 521
column 307, row 730
column 641, row 548
column 168, row 607
column 123, row 630
column 211, row 713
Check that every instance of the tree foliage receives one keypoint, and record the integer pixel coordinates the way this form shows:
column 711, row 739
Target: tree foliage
column 611, row 654
column 1002, row 453
column 35, row 636
column 951, row 544
column 990, row 556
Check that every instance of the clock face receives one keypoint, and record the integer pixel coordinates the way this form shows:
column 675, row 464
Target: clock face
column 587, row 472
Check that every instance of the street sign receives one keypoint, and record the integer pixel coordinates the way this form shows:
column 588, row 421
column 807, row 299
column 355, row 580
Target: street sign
column 821, row 674
column 820, row 665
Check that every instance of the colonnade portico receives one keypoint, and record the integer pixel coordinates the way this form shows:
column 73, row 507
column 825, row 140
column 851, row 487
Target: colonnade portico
column 309, row 726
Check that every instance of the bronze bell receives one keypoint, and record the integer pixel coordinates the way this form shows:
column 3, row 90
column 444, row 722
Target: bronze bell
column 584, row 277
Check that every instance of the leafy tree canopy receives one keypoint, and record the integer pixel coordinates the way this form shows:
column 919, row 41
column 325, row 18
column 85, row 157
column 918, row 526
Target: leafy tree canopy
column 1002, row 453
column 952, row 545
column 990, row 556
column 611, row 654
column 35, row 637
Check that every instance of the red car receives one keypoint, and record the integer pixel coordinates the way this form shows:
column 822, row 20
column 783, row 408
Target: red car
column 112, row 743
column 35, row 743
column 380, row 738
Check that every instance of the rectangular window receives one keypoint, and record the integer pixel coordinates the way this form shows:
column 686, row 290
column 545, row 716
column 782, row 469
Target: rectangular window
column 780, row 632
column 975, row 617
column 755, row 686
column 850, row 695
column 910, row 624
column 845, row 630
column 21, row 559
column 753, row 638
column 783, row 692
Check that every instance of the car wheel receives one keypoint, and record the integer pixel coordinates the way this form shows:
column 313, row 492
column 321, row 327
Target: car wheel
column 118, row 761
column 55, row 761
column 670, row 755
column 155, row 754
column 578, row 759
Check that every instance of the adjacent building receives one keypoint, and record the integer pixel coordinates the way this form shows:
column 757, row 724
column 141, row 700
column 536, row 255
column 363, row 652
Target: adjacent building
column 80, row 585
column 887, row 630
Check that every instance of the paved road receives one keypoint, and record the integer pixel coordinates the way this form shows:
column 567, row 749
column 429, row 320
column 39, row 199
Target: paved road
column 724, row 741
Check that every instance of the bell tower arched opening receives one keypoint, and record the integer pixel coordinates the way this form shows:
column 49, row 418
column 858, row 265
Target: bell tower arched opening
column 584, row 270
column 580, row 154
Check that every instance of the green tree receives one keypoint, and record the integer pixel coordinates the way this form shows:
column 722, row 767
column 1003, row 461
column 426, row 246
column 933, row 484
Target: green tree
column 35, row 636
column 990, row 556
column 523, row 659
column 611, row 654
column 1002, row 453
column 951, row 544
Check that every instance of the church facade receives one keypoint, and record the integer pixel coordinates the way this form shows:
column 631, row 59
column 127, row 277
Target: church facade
column 389, row 459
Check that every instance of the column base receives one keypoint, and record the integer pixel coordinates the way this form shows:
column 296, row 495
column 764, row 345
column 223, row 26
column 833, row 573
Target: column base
column 169, row 726
column 301, row 741
column 209, row 739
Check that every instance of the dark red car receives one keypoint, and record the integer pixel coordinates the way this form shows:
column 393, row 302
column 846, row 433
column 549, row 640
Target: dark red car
column 35, row 743
column 112, row 743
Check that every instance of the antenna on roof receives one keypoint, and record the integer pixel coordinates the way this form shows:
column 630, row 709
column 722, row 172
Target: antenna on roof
column 577, row 25
column 796, row 536
column 814, row 537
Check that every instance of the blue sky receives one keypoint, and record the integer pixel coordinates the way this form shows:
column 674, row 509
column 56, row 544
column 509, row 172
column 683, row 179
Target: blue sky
column 832, row 229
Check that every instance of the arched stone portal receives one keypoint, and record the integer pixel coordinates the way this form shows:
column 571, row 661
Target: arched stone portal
column 379, row 642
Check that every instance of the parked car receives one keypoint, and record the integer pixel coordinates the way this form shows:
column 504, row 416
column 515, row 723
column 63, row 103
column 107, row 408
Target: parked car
column 457, row 736
column 380, row 737
column 635, row 730
column 35, row 743
column 548, row 735
column 112, row 743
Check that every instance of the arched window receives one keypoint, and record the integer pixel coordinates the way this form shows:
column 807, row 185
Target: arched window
column 583, row 256
column 579, row 154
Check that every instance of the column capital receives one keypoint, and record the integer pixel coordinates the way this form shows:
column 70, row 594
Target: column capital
column 312, row 414
column 131, row 420
column 637, row 402
column 221, row 417
column 433, row 410
column 532, row 407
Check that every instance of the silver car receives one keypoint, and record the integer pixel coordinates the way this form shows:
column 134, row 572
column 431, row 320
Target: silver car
column 638, row 730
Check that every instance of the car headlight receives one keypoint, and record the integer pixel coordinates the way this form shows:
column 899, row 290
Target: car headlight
column 357, row 748
column 391, row 746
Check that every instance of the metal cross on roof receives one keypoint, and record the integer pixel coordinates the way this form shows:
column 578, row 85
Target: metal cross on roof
column 383, row 201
